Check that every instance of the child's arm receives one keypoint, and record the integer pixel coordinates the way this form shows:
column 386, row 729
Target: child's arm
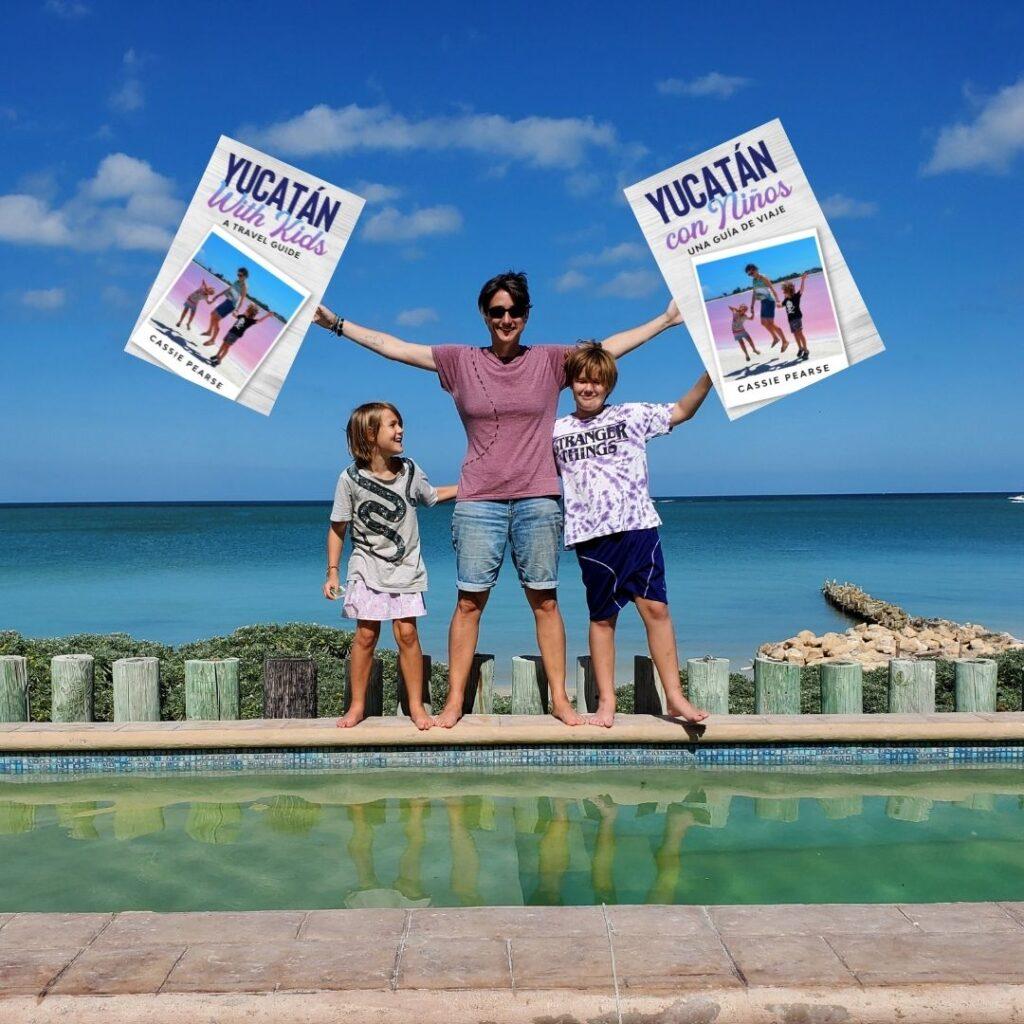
column 619, row 344
column 800, row 290
column 266, row 316
column 446, row 492
column 690, row 402
column 335, row 542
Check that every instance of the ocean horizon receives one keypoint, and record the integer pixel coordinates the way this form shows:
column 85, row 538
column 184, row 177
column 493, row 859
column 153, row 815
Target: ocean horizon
column 742, row 569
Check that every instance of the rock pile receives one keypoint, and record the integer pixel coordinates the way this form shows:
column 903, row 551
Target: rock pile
column 889, row 631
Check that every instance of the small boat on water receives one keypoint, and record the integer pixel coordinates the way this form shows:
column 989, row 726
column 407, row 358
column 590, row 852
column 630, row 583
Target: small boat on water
column 1018, row 498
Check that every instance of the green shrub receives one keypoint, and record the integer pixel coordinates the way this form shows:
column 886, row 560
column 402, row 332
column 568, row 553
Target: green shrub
column 328, row 647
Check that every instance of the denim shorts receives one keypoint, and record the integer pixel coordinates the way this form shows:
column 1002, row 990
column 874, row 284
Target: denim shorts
column 482, row 529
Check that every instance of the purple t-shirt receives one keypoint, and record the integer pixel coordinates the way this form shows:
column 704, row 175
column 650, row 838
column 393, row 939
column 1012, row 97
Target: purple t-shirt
column 603, row 462
column 508, row 410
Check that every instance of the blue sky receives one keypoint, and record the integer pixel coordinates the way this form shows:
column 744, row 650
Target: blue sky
column 484, row 143
column 718, row 277
column 226, row 258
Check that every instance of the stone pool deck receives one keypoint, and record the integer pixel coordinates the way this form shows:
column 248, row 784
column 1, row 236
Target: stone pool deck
column 546, row 965
column 503, row 730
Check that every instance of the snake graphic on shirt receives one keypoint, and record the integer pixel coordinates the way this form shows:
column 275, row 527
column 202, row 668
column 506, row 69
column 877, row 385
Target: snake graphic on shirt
column 377, row 515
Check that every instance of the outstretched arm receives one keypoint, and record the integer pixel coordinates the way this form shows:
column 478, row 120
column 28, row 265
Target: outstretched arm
column 385, row 345
column 625, row 341
column 690, row 402
column 447, row 492
column 803, row 281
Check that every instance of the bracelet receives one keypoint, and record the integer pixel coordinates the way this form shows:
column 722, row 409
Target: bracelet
column 339, row 326
column 331, row 568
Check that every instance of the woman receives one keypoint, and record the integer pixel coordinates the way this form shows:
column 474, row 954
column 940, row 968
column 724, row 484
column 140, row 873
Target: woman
column 765, row 291
column 234, row 295
column 506, row 395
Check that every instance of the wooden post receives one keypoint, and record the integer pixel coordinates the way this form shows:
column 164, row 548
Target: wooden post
column 648, row 693
column 776, row 687
column 137, row 690
column 289, row 688
column 374, row 691
column 707, row 684
column 976, row 683
column 586, row 686
column 842, row 687
column 837, row 807
column 911, row 686
column 402, row 707
column 479, row 699
column 529, row 686
column 215, row 824
column 771, row 809
column 71, row 684
column 908, row 808
column 211, row 689
column 13, row 688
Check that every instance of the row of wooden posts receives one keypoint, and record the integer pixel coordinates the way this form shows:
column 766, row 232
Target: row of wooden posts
column 290, row 687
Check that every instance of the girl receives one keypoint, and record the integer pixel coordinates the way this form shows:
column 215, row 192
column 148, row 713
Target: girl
column 386, row 578
column 765, row 291
column 739, row 329
column 791, row 300
column 204, row 291
column 236, row 293
column 242, row 324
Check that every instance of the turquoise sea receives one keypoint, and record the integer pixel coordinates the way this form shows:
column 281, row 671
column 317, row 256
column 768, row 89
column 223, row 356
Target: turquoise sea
column 741, row 571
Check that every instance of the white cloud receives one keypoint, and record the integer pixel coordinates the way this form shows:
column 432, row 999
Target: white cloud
column 538, row 141
column 120, row 175
column 391, row 225
column 624, row 252
column 632, row 284
column 417, row 317
column 70, row 9
column 374, row 192
column 28, row 219
column 44, row 298
column 838, row 205
column 570, row 281
column 989, row 142
column 124, row 205
column 712, row 84
column 128, row 96
column 115, row 295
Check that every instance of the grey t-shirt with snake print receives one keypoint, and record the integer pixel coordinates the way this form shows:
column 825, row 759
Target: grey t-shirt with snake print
column 385, row 534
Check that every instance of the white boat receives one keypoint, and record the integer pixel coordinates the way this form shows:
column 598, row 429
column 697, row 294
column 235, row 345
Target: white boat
column 1018, row 498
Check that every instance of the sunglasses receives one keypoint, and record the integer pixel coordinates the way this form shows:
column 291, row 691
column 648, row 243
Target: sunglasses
column 498, row 312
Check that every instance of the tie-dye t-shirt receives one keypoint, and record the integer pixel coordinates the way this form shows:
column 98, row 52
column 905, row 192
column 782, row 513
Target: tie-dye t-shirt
column 603, row 465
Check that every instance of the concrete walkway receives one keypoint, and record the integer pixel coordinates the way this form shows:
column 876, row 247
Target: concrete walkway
column 503, row 730
column 646, row 965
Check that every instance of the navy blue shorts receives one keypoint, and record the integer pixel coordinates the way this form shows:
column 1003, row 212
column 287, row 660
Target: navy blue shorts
column 620, row 567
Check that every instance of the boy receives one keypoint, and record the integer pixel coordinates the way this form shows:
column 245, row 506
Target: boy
column 610, row 520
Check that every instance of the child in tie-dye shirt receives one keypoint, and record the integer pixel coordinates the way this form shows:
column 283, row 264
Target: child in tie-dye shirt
column 611, row 522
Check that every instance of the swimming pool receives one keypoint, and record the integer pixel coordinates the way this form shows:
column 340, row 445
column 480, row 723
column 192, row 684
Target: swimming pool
column 499, row 837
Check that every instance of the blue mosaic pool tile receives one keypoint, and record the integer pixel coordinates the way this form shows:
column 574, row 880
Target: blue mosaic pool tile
column 788, row 756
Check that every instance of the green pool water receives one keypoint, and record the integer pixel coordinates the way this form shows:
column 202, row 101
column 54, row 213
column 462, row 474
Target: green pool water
column 456, row 838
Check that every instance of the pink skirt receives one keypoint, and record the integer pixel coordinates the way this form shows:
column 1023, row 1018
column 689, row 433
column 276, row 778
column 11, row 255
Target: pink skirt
column 361, row 602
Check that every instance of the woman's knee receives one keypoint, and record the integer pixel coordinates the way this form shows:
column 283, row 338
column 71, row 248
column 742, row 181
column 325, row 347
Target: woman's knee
column 366, row 635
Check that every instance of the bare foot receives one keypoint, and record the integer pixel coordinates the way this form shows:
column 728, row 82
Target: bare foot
column 683, row 709
column 353, row 716
column 210, row 342
column 564, row 712
column 420, row 718
column 604, row 716
column 448, row 717
column 756, row 353
column 785, row 345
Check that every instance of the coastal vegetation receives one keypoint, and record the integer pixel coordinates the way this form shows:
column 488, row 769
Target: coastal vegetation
column 328, row 647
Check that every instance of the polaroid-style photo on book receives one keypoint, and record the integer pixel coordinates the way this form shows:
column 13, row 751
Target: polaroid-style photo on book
column 224, row 312
column 769, row 312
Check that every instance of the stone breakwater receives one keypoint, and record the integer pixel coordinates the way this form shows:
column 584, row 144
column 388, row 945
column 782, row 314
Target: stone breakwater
column 885, row 631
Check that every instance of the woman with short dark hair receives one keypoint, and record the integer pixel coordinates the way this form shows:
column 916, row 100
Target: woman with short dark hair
column 506, row 394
